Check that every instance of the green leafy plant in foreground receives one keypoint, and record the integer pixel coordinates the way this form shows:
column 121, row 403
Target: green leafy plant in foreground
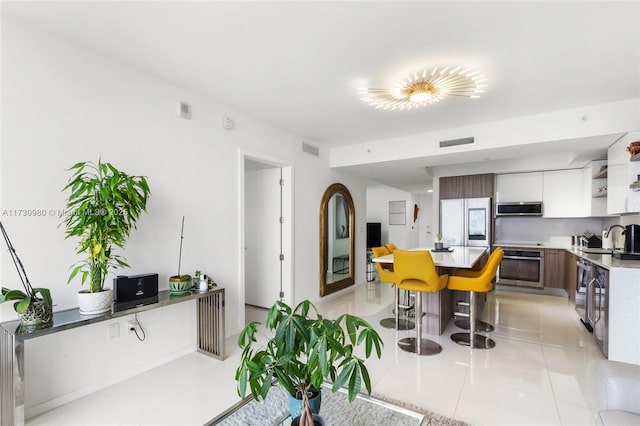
column 305, row 350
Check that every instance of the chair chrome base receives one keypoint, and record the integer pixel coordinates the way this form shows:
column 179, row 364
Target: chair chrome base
column 479, row 341
column 425, row 346
column 480, row 326
column 403, row 324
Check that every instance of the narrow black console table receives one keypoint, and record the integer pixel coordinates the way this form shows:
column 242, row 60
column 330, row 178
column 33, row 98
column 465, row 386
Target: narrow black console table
column 211, row 337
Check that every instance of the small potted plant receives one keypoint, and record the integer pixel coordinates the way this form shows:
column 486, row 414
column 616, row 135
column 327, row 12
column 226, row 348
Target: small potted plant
column 305, row 350
column 33, row 305
column 103, row 208
column 439, row 244
column 180, row 284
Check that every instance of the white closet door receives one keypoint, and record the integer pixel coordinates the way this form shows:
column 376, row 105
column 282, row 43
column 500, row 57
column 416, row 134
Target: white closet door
column 262, row 237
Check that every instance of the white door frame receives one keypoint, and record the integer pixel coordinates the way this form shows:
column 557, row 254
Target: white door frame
column 287, row 226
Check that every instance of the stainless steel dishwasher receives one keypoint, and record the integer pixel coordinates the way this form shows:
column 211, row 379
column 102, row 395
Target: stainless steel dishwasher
column 592, row 301
column 598, row 307
column 584, row 277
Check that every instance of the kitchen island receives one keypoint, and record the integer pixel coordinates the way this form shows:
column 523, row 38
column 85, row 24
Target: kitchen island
column 438, row 307
column 458, row 257
column 624, row 304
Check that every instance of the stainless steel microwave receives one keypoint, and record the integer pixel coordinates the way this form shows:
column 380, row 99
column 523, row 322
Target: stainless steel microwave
column 533, row 208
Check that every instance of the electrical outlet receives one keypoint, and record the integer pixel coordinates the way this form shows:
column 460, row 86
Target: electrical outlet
column 133, row 326
column 114, row 331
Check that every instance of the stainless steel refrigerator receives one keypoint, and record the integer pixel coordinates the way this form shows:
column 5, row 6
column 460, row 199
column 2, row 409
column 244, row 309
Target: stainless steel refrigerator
column 466, row 221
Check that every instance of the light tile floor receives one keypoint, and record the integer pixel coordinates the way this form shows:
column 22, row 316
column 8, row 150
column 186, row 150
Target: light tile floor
column 538, row 373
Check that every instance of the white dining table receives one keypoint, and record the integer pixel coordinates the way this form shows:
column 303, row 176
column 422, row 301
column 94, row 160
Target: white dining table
column 458, row 257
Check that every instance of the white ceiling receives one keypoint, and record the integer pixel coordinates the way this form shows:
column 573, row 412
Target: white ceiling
column 298, row 64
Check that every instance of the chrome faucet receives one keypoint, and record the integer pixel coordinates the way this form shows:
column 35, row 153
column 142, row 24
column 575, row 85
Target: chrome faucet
column 606, row 233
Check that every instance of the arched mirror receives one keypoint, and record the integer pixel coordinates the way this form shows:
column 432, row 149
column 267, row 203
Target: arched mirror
column 337, row 239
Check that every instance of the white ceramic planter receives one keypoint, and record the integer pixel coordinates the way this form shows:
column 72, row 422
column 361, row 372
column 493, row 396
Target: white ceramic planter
column 95, row 303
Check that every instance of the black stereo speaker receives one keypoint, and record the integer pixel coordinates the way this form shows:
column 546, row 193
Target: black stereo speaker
column 135, row 287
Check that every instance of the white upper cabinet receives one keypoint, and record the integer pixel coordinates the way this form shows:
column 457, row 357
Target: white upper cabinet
column 563, row 194
column 517, row 187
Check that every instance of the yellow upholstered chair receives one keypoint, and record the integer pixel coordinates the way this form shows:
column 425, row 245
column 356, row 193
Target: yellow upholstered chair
column 387, row 275
column 415, row 271
column 384, row 269
column 480, row 325
column 470, row 273
column 480, row 283
column 391, row 247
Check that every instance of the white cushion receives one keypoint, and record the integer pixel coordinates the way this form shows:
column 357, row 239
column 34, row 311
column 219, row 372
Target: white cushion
column 617, row 418
column 618, row 386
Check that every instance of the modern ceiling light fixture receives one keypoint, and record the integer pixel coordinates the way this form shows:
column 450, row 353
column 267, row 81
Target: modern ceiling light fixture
column 429, row 87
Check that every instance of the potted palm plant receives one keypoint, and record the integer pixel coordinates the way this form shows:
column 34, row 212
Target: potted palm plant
column 305, row 350
column 103, row 207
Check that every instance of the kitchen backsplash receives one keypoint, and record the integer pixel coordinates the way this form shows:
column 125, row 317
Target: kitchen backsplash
column 553, row 231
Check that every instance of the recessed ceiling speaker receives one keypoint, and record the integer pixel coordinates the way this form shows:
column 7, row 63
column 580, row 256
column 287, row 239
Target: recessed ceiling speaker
column 184, row 110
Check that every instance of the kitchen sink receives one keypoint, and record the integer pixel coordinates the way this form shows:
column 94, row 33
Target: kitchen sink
column 627, row 256
column 594, row 250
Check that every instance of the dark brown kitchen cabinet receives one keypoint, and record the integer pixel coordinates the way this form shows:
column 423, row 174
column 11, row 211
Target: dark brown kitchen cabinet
column 554, row 268
column 570, row 275
column 470, row 186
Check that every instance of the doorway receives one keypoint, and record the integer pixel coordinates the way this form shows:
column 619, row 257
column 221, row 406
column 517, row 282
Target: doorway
column 266, row 232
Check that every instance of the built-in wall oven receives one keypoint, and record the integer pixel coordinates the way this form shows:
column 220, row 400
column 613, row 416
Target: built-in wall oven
column 522, row 267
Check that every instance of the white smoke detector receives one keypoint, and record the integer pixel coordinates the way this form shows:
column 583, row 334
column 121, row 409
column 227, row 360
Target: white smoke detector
column 227, row 123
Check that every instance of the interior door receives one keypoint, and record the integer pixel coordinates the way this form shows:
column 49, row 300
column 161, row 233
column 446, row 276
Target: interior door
column 262, row 236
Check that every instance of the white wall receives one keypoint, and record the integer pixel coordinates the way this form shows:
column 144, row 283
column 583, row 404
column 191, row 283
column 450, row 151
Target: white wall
column 62, row 104
column 404, row 236
column 62, row 367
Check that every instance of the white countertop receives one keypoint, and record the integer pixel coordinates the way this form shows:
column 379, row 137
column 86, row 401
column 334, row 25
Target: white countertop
column 460, row 257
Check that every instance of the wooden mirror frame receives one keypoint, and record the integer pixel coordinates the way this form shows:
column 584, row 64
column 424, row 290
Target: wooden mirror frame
column 328, row 288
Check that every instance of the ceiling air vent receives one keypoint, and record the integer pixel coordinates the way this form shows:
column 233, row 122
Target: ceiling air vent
column 456, row 142
column 184, row 110
column 310, row 149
